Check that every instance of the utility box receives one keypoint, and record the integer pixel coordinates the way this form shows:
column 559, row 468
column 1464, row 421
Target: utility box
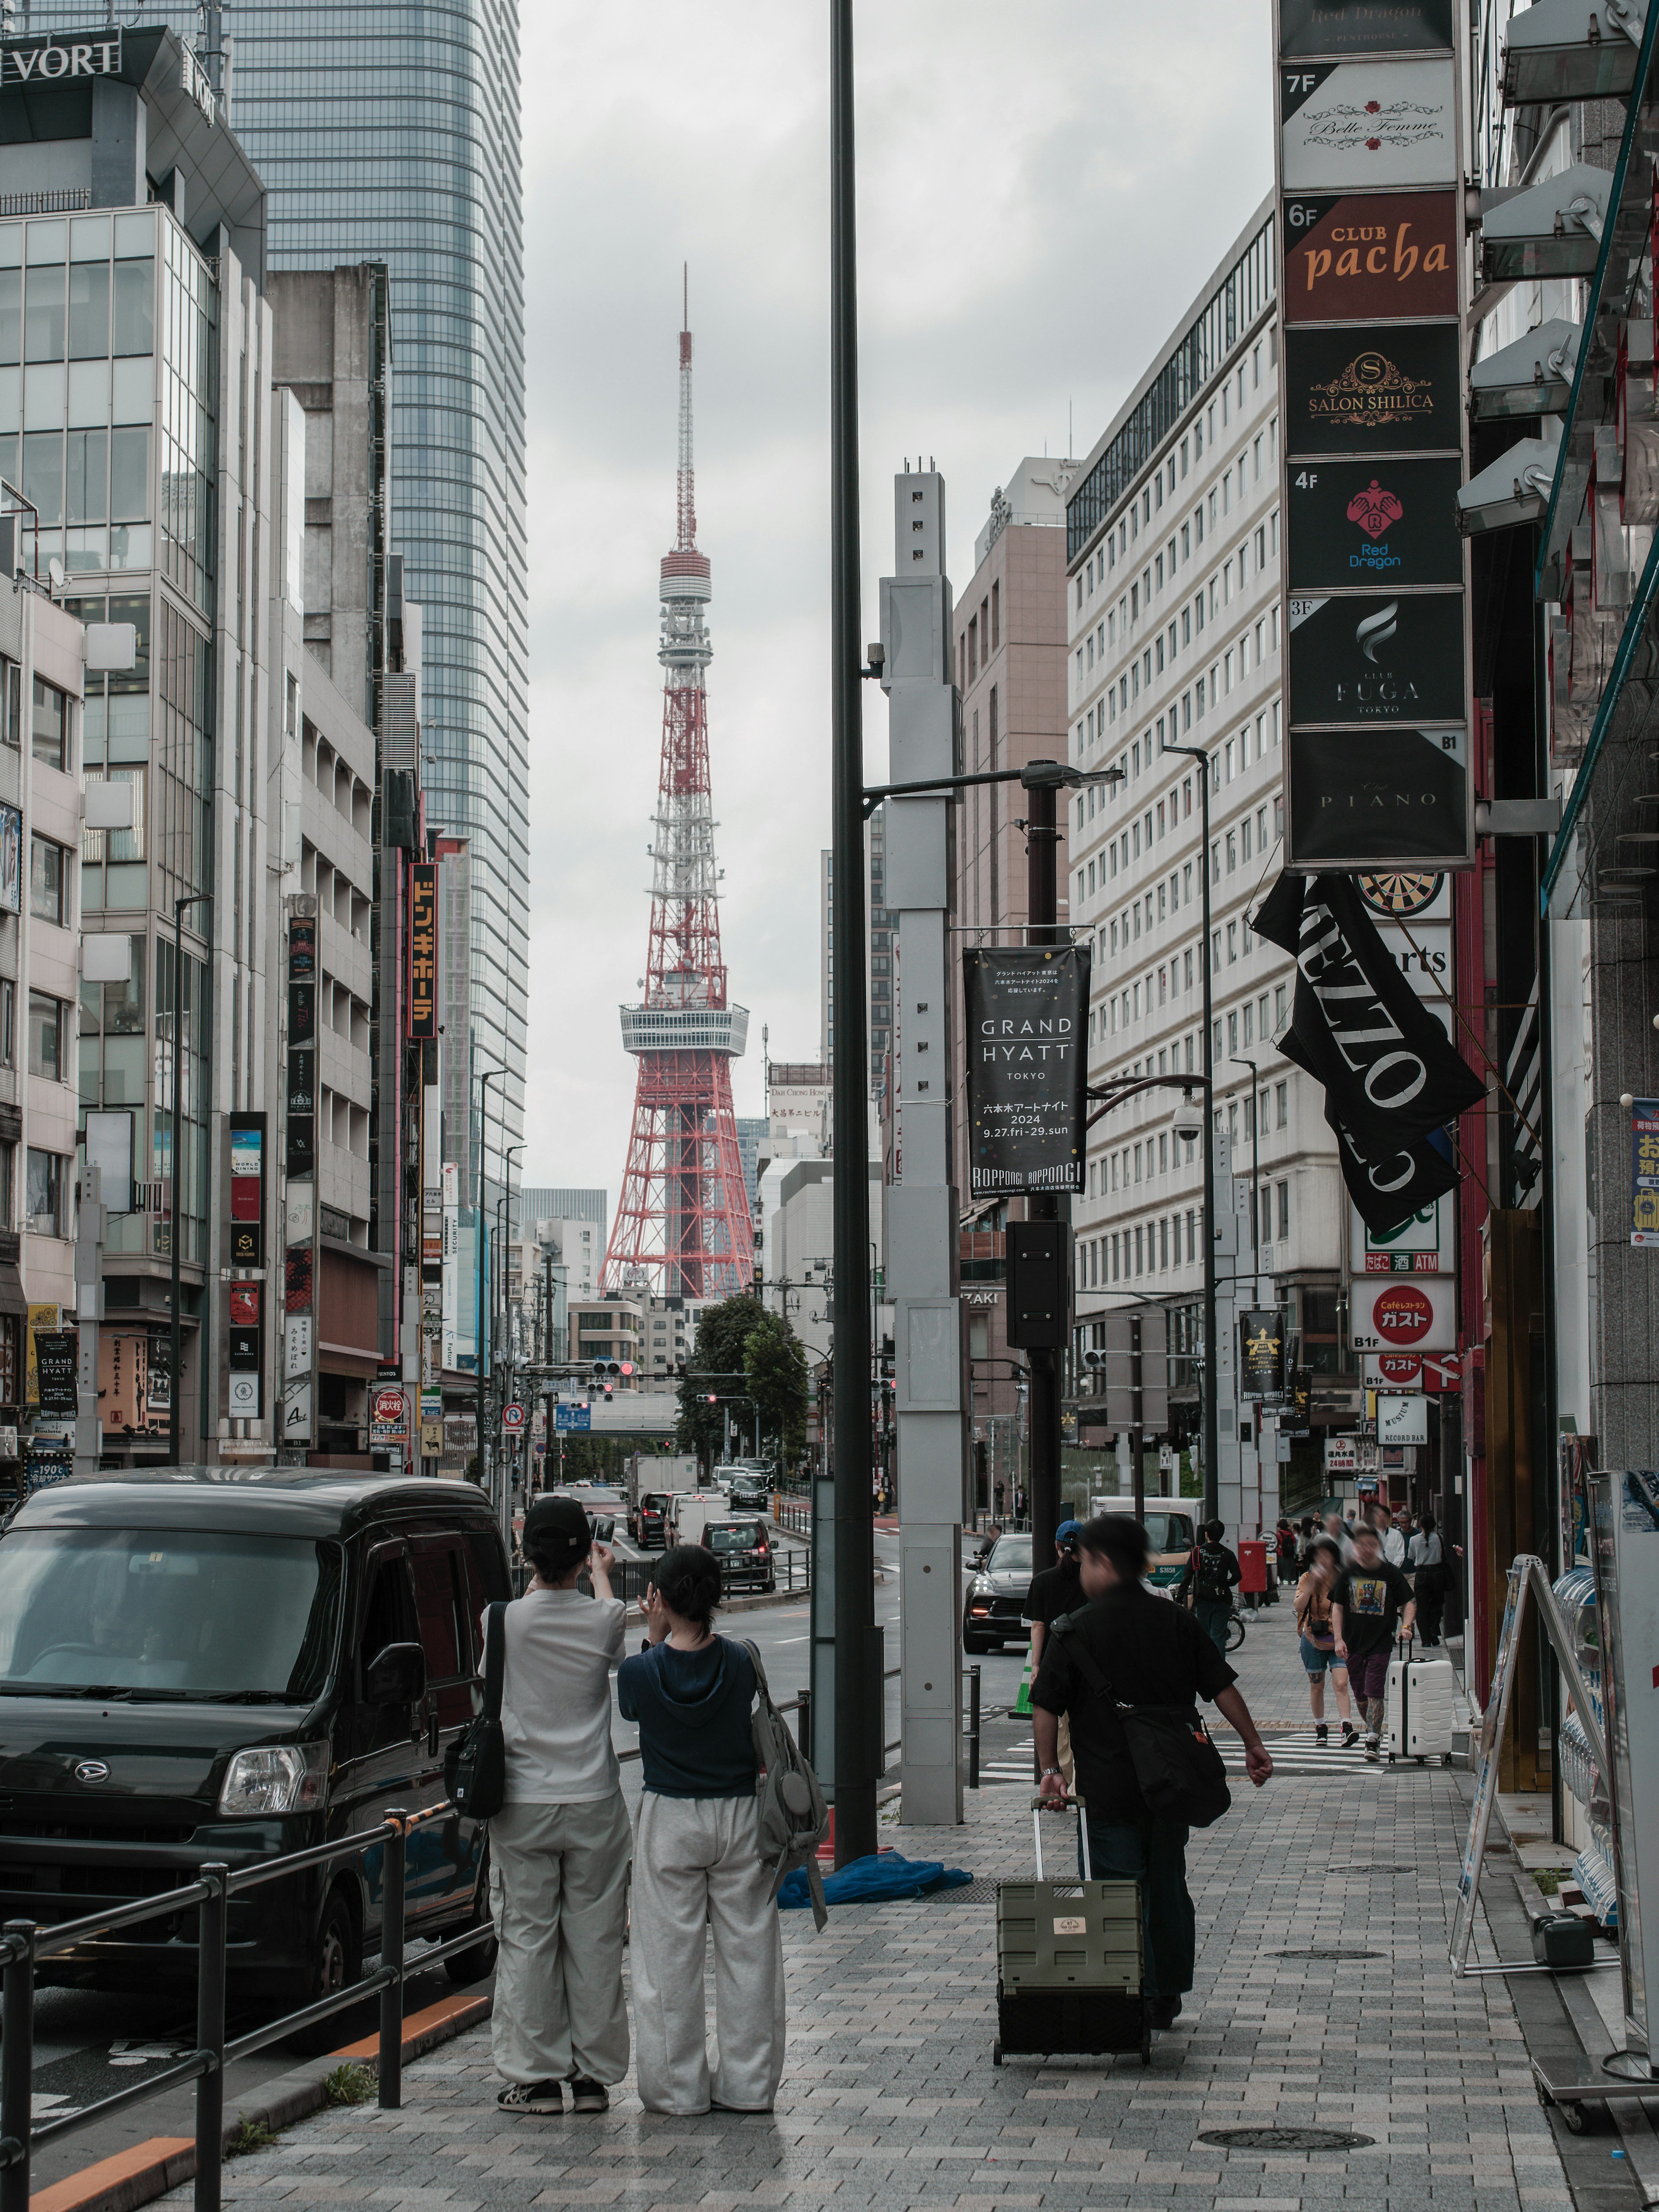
column 1039, row 1271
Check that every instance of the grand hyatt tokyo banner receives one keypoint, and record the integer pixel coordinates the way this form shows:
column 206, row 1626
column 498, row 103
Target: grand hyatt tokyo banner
column 1027, row 1068
column 1392, row 1078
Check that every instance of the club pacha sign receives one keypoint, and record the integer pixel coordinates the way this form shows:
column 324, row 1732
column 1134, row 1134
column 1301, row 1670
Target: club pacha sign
column 1026, row 1006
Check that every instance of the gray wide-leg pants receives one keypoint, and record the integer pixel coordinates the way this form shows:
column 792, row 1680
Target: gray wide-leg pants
column 697, row 1872
column 560, row 1874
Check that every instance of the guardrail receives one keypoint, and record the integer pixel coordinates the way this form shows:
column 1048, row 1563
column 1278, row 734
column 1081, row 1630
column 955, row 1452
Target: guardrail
column 23, row 1942
column 795, row 1514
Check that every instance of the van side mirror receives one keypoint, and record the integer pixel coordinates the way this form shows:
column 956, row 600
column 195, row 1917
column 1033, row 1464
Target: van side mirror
column 396, row 1676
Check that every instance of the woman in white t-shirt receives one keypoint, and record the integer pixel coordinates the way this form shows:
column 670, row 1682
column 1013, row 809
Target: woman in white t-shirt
column 561, row 1844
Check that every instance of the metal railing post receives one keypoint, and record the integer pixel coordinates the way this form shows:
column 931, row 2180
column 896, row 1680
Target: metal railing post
column 391, row 1956
column 212, row 1918
column 803, row 1740
column 973, row 1727
column 17, row 2065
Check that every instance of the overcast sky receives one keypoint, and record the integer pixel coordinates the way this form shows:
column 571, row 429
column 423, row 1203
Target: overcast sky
column 1043, row 185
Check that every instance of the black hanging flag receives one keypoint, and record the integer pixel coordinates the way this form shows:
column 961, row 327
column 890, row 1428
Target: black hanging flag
column 1392, row 1078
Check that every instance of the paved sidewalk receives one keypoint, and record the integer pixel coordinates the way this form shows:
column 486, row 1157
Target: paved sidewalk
column 890, row 2100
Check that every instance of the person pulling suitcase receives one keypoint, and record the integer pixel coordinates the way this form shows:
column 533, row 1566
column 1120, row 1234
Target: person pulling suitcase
column 1143, row 1651
column 1371, row 1605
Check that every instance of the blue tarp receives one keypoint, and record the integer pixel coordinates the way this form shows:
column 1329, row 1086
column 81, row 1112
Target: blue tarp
column 872, row 1881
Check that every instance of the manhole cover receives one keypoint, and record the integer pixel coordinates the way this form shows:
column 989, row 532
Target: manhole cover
column 1331, row 1951
column 1287, row 2139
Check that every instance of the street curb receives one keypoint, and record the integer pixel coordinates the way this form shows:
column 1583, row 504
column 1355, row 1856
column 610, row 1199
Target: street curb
column 150, row 2169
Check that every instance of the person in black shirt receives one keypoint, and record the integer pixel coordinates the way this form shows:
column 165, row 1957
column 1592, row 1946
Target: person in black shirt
column 1056, row 1590
column 1208, row 1580
column 1151, row 1653
column 1365, row 1607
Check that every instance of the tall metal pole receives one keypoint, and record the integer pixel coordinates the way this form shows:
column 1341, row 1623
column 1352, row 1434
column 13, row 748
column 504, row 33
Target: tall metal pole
column 191, row 898
column 1212, row 1360
column 490, row 1075
column 1255, row 1170
column 1042, row 911
column 858, row 1755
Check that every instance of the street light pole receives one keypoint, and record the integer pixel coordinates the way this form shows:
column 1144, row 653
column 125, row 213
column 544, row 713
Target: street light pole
column 1239, row 1060
column 490, row 1075
column 858, row 1756
column 1041, row 914
column 1212, row 1426
column 175, row 1388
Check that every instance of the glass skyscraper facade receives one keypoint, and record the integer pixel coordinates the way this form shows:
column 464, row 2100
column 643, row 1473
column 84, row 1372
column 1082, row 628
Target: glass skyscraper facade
column 390, row 130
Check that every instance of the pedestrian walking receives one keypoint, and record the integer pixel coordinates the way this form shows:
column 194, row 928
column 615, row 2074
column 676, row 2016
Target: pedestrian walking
column 1371, row 1605
column 1321, row 1572
column 1393, row 1533
column 559, row 1847
column 1148, row 1653
column 697, row 1867
column 1058, row 1589
column 1429, row 1581
column 999, row 1493
column 1208, row 1580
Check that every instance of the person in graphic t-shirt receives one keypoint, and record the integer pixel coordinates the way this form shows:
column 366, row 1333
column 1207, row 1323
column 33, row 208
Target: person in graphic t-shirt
column 1371, row 1604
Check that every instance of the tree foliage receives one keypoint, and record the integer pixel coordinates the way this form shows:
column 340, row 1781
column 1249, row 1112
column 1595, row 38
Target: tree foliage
column 743, row 1351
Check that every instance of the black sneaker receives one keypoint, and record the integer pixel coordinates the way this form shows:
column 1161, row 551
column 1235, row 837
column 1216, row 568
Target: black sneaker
column 543, row 2098
column 587, row 2095
column 1350, row 1736
column 1164, row 2011
column 1322, row 1735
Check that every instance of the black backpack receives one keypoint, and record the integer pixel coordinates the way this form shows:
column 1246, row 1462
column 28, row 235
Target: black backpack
column 1212, row 1581
column 474, row 1764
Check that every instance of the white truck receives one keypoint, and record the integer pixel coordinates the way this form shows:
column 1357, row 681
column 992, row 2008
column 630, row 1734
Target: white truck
column 691, row 1511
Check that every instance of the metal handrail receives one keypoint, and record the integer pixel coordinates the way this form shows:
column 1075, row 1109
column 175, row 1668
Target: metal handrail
column 24, row 1942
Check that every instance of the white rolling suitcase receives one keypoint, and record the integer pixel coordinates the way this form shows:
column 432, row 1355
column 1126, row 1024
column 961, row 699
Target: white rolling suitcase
column 1418, row 1710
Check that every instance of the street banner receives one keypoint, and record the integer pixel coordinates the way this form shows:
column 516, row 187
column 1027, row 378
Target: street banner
column 1379, row 657
column 1645, row 1171
column 1392, row 1080
column 55, row 1359
column 1260, row 1352
column 1027, row 1068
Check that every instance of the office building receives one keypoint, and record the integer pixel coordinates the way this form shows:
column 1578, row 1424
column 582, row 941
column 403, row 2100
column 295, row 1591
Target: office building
column 1173, row 608
column 391, row 135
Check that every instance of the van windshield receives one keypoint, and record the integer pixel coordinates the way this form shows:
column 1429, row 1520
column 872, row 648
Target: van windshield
column 1168, row 1532
column 159, row 1612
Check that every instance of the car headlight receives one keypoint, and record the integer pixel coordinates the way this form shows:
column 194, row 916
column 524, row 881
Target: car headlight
column 283, row 1778
column 982, row 1586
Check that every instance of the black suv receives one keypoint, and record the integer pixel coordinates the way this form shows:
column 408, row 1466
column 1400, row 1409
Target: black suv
column 203, row 1663
column 744, row 1549
column 648, row 1523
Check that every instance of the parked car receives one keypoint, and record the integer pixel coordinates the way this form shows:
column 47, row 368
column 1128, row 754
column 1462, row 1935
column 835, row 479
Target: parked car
column 744, row 1549
column 202, row 1664
column 647, row 1524
column 994, row 1612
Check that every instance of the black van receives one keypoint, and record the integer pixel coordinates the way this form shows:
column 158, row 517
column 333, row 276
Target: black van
column 208, row 1663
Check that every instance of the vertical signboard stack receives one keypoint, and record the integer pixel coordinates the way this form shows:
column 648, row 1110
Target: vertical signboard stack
column 1378, row 767
column 423, row 1034
column 244, row 1387
column 298, row 1430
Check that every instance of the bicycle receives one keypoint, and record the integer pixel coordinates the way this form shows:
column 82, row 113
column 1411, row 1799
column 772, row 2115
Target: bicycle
column 1236, row 1625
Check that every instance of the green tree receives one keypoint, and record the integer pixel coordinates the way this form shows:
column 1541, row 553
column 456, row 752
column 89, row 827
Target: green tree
column 775, row 1361
column 716, row 1366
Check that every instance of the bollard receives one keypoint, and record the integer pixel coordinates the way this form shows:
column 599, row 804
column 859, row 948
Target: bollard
column 973, row 1727
column 17, row 2065
column 212, row 1917
column 391, row 1957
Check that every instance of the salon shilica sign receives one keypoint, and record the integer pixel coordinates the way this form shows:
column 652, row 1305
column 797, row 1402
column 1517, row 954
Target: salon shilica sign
column 57, row 60
column 1377, row 766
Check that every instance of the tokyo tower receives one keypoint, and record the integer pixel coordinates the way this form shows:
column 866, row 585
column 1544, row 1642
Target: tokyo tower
column 682, row 1224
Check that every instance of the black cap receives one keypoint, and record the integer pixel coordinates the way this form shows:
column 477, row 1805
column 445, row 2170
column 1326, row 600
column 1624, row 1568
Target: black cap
column 559, row 1518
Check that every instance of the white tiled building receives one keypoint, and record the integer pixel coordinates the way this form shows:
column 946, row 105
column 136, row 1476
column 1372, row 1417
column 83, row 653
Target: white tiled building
column 1173, row 583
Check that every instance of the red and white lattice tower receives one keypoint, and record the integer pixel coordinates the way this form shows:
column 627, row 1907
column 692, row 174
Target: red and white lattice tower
column 683, row 1224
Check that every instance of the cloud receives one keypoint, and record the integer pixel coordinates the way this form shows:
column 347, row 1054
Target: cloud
column 1044, row 187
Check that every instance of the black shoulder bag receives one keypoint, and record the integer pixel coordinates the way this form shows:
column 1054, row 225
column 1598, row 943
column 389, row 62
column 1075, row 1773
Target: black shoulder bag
column 1179, row 1769
column 474, row 1764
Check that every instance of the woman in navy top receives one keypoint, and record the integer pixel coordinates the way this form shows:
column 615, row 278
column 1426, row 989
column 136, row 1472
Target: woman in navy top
column 698, row 1875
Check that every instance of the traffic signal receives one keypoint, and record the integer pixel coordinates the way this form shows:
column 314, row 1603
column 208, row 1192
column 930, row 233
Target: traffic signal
column 714, row 1398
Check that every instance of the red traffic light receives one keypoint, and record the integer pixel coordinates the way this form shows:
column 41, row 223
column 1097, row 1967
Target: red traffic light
column 714, row 1398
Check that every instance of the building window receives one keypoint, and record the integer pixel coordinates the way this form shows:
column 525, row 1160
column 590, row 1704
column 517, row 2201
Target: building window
column 49, row 727
column 48, row 881
column 1284, row 1208
column 11, row 704
column 43, row 1202
column 46, row 1036
column 1282, row 1104
column 7, row 1023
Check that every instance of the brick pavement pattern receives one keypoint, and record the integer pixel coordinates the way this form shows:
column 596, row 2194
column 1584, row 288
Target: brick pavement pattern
column 889, row 2098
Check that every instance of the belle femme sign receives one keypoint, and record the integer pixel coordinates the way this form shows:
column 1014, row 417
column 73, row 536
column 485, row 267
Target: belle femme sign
column 52, row 61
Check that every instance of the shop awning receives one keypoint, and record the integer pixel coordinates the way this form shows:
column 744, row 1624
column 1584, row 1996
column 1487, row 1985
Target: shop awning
column 12, row 1300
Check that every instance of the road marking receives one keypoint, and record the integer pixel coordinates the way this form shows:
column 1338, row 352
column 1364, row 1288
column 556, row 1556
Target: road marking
column 790, row 1639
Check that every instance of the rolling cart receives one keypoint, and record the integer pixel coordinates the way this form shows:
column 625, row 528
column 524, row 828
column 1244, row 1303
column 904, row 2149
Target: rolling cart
column 1071, row 1962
